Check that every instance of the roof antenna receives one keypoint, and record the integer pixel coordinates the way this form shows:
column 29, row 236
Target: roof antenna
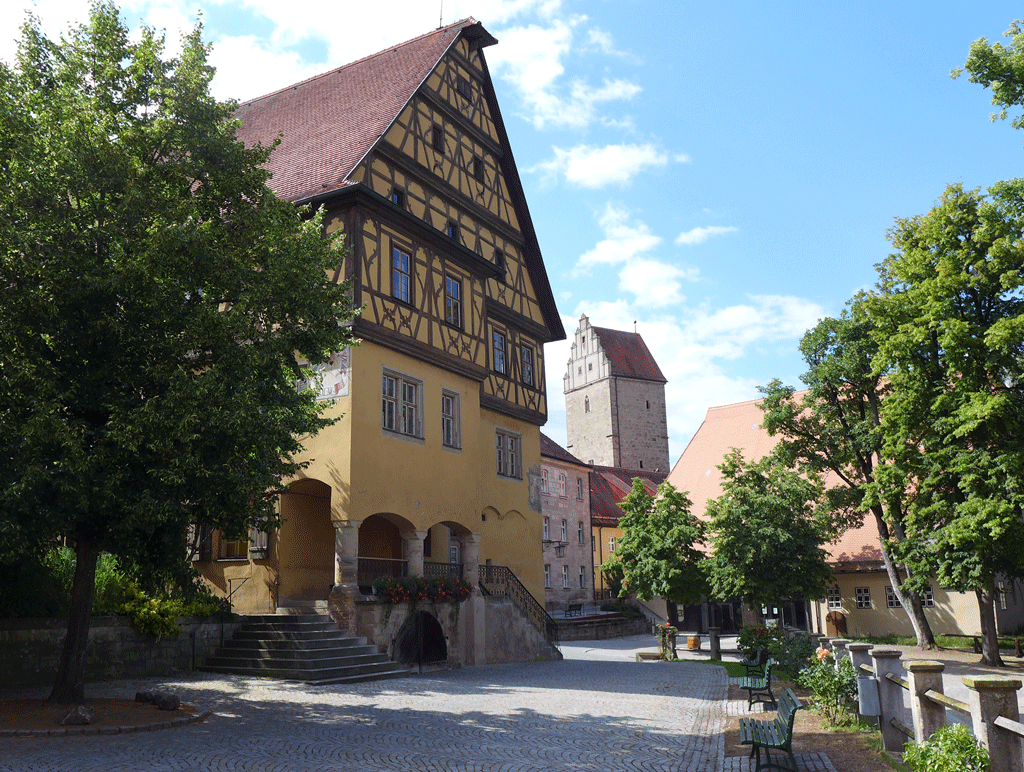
column 440, row 16
column 634, row 326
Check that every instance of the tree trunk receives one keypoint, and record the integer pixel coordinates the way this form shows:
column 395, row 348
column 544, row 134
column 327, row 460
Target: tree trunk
column 69, row 685
column 989, row 634
column 910, row 601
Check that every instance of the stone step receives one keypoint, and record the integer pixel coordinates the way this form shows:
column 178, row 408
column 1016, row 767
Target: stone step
column 349, row 674
column 287, row 635
column 289, row 619
column 294, row 627
column 231, row 659
column 298, row 646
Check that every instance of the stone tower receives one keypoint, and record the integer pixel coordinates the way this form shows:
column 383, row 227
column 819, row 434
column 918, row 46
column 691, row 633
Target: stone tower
column 615, row 401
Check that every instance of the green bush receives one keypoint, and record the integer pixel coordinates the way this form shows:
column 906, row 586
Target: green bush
column 951, row 749
column 753, row 637
column 834, row 687
column 791, row 654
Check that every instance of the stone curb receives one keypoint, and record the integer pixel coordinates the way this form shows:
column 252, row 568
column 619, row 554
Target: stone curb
column 69, row 731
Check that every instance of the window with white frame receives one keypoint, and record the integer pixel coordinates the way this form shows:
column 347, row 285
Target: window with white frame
column 400, row 404
column 498, row 352
column 232, row 549
column 833, row 599
column 579, row 489
column 611, row 544
column 453, row 301
column 543, row 480
column 583, row 577
column 565, row 530
column 927, row 599
column 450, row 419
column 547, row 529
column 863, row 596
column 401, row 275
column 508, row 452
column 526, row 355
column 1001, row 592
column 565, row 577
column 561, row 486
column 547, row 576
column 579, row 532
column 892, row 600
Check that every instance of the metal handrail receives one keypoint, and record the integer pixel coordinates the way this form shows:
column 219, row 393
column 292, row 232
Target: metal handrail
column 444, row 570
column 368, row 570
column 500, row 580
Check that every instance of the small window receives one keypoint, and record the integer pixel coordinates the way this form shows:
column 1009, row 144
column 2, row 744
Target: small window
column 565, row 531
column 450, row 420
column 1001, row 591
column 927, row 599
column 562, row 486
column 400, row 404
column 579, row 491
column 641, row 464
column 452, row 229
column 462, row 86
column 565, row 577
column 437, row 138
column 579, row 532
column 527, row 357
column 892, row 600
column 508, row 454
column 586, row 403
column 478, row 168
column 547, row 576
column 498, row 352
column 398, row 197
column 583, row 577
column 543, row 480
column 401, row 275
column 833, row 598
column 453, row 301
column 547, row 529
column 231, row 549
column 453, row 554
column 611, row 544
column 648, row 404
column 863, row 596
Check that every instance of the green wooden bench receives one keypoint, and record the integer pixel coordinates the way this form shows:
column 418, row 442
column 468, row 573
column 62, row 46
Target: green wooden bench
column 772, row 733
column 574, row 610
column 759, row 684
column 755, row 664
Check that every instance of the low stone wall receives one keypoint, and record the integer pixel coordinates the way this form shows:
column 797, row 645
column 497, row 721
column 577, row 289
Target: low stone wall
column 30, row 648
column 511, row 637
column 598, row 629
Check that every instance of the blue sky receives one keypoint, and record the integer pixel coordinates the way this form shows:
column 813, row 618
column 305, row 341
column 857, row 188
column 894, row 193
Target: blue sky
column 721, row 174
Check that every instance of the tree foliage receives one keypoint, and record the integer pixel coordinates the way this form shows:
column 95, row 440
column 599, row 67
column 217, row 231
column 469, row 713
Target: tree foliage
column 154, row 296
column 999, row 68
column 659, row 555
column 765, row 533
column 948, row 320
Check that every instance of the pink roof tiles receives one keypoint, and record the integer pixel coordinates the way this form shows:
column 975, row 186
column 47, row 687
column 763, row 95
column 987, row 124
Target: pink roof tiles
column 551, row 449
column 329, row 122
column 628, row 355
column 609, row 487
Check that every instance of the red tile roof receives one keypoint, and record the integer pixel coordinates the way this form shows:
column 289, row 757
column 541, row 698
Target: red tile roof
column 551, row 449
column 331, row 121
column 609, row 487
column 629, row 355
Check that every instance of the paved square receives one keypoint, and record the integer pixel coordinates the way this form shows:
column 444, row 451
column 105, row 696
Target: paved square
column 596, row 710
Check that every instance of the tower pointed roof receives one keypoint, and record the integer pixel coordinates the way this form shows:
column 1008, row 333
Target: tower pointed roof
column 628, row 355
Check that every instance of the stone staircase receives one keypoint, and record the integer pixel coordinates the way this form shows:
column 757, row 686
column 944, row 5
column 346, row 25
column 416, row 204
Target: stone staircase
column 300, row 647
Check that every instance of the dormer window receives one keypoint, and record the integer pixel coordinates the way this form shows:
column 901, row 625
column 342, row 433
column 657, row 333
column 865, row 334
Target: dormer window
column 463, row 87
column 452, row 229
column 398, row 197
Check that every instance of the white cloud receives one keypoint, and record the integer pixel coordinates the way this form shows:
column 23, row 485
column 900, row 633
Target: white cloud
column 624, row 240
column 655, row 284
column 700, row 235
column 595, row 167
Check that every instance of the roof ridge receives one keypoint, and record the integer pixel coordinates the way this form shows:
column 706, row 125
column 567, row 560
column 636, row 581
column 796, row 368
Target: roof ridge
column 464, row 22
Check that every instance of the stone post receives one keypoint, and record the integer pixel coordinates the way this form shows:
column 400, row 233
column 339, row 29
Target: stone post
column 991, row 697
column 839, row 649
column 713, row 643
column 475, row 617
column 925, row 675
column 341, row 604
column 890, row 696
column 412, row 551
column 858, row 653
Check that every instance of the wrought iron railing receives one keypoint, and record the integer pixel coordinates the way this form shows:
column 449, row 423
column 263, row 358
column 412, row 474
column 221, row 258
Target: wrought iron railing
column 371, row 569
column 499, row 580
column 442, row 570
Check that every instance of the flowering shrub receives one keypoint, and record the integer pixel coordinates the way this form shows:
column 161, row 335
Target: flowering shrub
column 751, row 638
column 667, row 638
column 834, row 686
column 416, row 588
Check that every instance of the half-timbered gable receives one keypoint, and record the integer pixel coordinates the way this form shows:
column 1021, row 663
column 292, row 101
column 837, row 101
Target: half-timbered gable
column 437, row 456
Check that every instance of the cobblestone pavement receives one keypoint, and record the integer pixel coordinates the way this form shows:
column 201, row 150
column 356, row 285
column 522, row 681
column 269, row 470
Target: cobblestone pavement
column 596, row 710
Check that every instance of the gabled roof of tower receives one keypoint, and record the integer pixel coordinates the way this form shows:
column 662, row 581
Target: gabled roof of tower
column 629, row 355
column 609, row 486
column 331, row 121
column 551, row 449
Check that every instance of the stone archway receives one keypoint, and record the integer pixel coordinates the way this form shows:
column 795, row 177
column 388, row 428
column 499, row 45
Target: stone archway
column 305, row 543
column 420, row 641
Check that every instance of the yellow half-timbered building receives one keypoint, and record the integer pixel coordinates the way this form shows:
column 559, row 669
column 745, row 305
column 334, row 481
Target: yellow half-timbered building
column 434, row 467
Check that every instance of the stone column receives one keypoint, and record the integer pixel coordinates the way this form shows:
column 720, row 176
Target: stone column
column 713, row 643
column 989, row 698
column 890, row 696
column 412, row 551
column 839, row 648
column 475, row 616
column 925, row 675
column 341, row 603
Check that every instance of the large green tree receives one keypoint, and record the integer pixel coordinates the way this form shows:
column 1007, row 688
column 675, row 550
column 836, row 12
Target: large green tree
column 948, row 319
column 154, row 294
column 765, row 533
column 834, row 427
column 660, row 555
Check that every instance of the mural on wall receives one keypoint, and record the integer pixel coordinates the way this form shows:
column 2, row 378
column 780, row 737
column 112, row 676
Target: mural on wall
column 331, row 379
